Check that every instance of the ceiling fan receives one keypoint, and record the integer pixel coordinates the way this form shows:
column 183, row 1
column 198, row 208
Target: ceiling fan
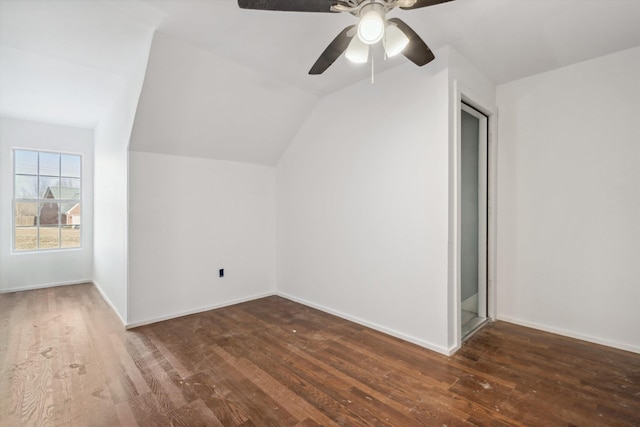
column 373, row 27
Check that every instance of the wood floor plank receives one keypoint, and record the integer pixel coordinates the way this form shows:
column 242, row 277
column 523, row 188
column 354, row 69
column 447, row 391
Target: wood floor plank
column 293, row 403
column 216, row 401
column 196, row 414
column 65, row 359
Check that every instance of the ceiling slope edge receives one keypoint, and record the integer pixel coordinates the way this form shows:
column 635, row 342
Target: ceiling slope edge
column 196, row 103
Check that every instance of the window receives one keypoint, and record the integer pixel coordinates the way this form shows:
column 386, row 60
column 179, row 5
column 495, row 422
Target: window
column 47, row 200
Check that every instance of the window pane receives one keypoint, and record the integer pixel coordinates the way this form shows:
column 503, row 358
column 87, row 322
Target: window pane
column 26, row 187
column 26, row 214
column 70, row 214
column 70, row 165
column 71, row 221
column 26, row 162
column 49, row 213
column 26, row 238
column 50, row 164
column 70, row 188
column 49, row 226
column 49, row 187
column 70, row 236
column 26, row 232
column 49, row 237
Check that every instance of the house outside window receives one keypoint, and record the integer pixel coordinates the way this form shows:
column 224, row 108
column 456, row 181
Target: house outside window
column 47, row 200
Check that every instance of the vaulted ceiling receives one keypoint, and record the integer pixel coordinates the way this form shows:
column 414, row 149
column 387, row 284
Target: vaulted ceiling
column 506, row 39
column 62, row 61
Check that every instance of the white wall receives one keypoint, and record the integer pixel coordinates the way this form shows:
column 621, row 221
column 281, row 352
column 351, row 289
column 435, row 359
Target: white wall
column 363, row 205
column 569, row 200
column 112, row 136
column 190, row 217
column 365, row 201
column 20, row 271
column 111, row 175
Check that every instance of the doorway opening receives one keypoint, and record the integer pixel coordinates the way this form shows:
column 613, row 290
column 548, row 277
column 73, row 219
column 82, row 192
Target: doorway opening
column 474, row 180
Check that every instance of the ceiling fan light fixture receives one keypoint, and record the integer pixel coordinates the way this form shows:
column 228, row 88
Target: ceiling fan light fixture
column 357, row 51
column 370, row 29
column 371, row 26
column 394, row 40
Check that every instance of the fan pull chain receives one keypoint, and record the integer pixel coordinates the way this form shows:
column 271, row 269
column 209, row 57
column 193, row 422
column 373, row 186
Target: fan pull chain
column 372, row 79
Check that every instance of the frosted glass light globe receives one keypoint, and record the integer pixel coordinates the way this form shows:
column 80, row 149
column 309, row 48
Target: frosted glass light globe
column 371, row 27
column 394, row 40
column 357, row 51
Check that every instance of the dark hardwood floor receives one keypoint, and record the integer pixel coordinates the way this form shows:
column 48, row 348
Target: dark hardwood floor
column 65, row 359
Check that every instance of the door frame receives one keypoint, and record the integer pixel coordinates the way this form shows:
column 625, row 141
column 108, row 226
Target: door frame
column 483, row 196
column 460, row 94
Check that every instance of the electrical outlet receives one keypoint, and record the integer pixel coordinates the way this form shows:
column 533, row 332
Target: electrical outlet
column 221, row 272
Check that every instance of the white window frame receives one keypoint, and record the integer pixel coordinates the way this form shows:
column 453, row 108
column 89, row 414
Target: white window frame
column 39, row 201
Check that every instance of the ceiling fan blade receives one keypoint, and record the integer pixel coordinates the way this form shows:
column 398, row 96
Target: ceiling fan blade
column 289, row 5
column 424, row 3
column 417, row 50
column 332, row 52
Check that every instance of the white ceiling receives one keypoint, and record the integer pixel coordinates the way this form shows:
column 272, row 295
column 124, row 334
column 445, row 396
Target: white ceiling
column 65, row 61
column 506, row 39
column 83, row 48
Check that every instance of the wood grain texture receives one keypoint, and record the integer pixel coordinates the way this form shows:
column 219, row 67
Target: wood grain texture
column 66, row 360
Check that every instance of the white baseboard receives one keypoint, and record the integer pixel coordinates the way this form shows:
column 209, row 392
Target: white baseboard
column 393, row 333
column 196, row 310
column 44, row 286
column 571, row 334
column 388, row 331
column 471, row 304
column 109, row 302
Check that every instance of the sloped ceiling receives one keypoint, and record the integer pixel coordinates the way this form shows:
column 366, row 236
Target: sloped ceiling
column 61, row 60
column 196, row 103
